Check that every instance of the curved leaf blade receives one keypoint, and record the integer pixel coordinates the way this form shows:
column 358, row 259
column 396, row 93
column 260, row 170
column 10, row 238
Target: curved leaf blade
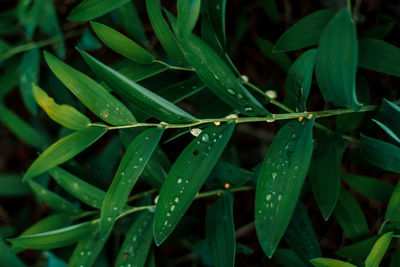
column 148, row 101
column 63, row 114
column 306, row 32
column 186, row 177
column 336, row 61
column 188, row 14
column 91, row 9
column 378, row 250
column 327, row 262
column 90, row 93
column 121, row 44
column 280, row 181
column 393, row 209
column 216, row 74
column 78, row 188
column 64, row 149
column 137, row 243
column 220, row 231
column 131, row 166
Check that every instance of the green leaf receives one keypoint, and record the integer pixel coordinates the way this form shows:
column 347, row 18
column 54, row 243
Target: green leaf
column 7, row 258
column 225, row 172
column 270, row 9
column 358, row 250
column 53, row 200
column 55, row 238
column 220, row 231
column 288, row 258
column 378, row 250
column 299, row 79
column 146, row 100
column 182, row 90
column 91, row 9
column 87, row 250
column 216, row 74
column 327, row 262
column 217, row 10
column 78, row 188
column 164, row 33
column 393, row 209
column 137, row 243
column 350, row 216
column 11, row 185
column 186, row 177
column 131, row 166
column 387, row 130
column 28, row 74
column 300, row 235
column 131, row 22
column 306, row 32
column 280, row 181
column 90, row 93
column 325, row 171
column 390, row 115
column 395, row 259
column 380, row 56
column 122, row 44
column 380, row 154
column 137, row 72
column 51, row 222
column 64, row 149
column 188, row 14
column 370, row 187
column 21, row 129
column 266, row 47
column 63, row 114
column 336, row 61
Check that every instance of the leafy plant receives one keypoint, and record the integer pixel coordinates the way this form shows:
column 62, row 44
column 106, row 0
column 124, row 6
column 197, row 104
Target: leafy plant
column 163, row 126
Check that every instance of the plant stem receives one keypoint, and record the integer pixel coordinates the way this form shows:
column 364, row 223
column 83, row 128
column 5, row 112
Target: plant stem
column 28, row 46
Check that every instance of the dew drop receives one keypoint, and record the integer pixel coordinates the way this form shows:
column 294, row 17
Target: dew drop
column 279, row 197
column 168, row 214
column 205, row 138
column 231, row 91
column 274, row 174
column 268, row 197
column 239, row 96
column 140, row 159
column 248, row 109
column 172, row 207
column 82, row 253
column 166, row 222
column 109, row 219
column 179, row 180
column 176, row 199
column 216, row 77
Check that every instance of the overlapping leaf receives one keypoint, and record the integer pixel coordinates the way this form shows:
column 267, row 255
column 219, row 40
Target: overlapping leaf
column 91, row 9
column 378, row 250
column 370, row 187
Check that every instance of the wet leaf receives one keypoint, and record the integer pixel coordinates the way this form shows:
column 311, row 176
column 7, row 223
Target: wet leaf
column 327, row 262
column 188, row 13
column 378, row 250
column 91, row 9
column 28, row 74
column 358, row 250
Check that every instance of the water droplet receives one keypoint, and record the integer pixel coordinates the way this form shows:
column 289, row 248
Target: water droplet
column 187, row 181
column 75, row 185
column 248, row 109
column 115, row 208
column 122, row 173
column 176, row 199
column 239, row 96
column 140, row 159
column 172, row 207
column 268, row 197
column 279, row 197
column 89, row 253
column 296, row 167
column 205, row 138
column 134, row 238
column 168, row 214
column 272, row 204
column 82, row 253
column 220, row 136
column 216, row 77
column 109, row 219
column 274, row 174
column 166, row 222
column 231, row 91
column 179, row 180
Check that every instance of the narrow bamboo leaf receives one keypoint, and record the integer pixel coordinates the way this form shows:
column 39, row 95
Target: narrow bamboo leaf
column 300, row 235
column 143, row 98
column 225, row 172
column 336, row 61
column 395, row 259
column 378, row 250
column 137, row 72
column 91, row 9
column 64, row 149
column 87, row 250
column 29, row 73
column 370, row 187
column 122, row 44
column 130, row 20
column 137, row 243
column 280, row 181
column 327, row 262
column 188, row 13
column 325, row 171
column 186, row 177
column 380, row 56
column 216, row 74
column 217, row 10
column 7, row 258
column 131, row 166
column 11, row 185
column 306, row 32
column 393, row 209
column 9, row 78
column 164, row 33
column 266, row 47
column 21, row 129
column 53, row 200
column 358, row 250
column 380, row 154
column 65, row 115
column 390, row 115
column 350, row 216
column 55, row 238
column 288, row 258
column 220, row 231
column 90, row 93
column 181, row 90
column 270, row 9
column 52, row 222
column 299, row 78
column 78, row 188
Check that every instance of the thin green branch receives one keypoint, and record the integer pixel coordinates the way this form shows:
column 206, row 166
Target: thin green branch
column 173, row 67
